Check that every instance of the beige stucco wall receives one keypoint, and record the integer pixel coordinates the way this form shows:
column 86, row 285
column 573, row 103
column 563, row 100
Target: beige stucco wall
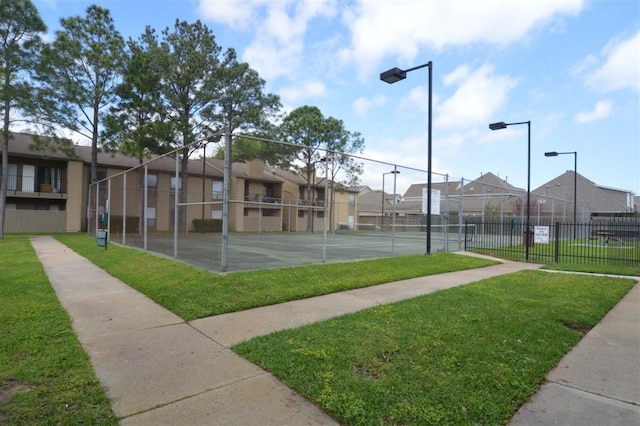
column 164, row 202
column 76, row 197
column 289, row 213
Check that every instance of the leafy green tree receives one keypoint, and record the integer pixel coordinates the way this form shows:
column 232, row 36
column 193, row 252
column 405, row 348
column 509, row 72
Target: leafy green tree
column 241, row 99
column 342, row 145
column 136, row 124
column 259, row 145
column 187, row 63
column 202, row 89
column 243, row 104
column 80, row 72
column 317, row 135
column 20, row 47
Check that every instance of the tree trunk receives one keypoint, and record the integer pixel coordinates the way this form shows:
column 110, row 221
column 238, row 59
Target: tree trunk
column 184, row 177
column 4, row 177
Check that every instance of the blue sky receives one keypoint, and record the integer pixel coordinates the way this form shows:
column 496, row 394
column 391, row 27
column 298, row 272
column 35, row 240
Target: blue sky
column 571, row 67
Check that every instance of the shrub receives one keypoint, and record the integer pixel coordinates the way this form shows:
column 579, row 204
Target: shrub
column 207, row 225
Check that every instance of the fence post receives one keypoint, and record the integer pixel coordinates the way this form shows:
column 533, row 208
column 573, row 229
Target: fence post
column 97, row 206
column 557, row 243
column 124, row 209
column 145, row 206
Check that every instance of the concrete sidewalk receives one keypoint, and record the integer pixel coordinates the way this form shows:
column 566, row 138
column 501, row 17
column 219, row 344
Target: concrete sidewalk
column 157, row 369
column 598, row 381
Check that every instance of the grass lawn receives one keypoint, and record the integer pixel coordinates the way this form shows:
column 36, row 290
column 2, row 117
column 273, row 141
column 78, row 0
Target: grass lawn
column 468, row 355
column 195, row 293
column 45, row 375
column 577, row 255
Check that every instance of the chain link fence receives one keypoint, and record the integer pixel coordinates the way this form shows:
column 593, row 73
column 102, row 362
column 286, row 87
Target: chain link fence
column 226, row 216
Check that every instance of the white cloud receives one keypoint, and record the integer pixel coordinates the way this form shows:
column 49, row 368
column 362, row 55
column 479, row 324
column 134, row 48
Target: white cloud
column 620, row 66
column 266, row 57
column 399, row 29
column 416, row 101
column 235, row 13
column 307, row 89
column 480, row 93
column 362, row 105
column 601, row 110
column 279, row 26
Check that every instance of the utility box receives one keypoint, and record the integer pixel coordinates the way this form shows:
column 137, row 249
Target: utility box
column 101, row 238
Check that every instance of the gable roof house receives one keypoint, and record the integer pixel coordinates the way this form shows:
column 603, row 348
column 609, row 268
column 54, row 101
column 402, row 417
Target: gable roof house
column 489, row 194
column 591, row 199
column 375, row 208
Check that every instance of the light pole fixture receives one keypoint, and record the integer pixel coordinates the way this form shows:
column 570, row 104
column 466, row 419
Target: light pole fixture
column 502, row 125
column 392, row 172
column 394, row 75
column 575, row 185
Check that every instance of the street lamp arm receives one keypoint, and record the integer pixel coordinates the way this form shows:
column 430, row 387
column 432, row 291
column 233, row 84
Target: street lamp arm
column 428, row 64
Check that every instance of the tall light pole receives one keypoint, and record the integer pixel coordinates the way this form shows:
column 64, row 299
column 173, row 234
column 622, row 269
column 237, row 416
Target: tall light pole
column 503, row 125
column 392, row 172
column 575, row 185
column 394, row 75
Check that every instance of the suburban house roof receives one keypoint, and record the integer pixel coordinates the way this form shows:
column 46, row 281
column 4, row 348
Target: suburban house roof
column 21, row 144
column 597, row 198
column 370, row 201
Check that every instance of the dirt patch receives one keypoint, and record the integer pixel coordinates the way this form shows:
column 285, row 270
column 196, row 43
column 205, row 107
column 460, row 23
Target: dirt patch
column 583, row 330
column 10, row 388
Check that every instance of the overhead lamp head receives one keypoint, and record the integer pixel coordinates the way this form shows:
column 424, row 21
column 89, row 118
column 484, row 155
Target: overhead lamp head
column 393, row 75
column 551, row 154
column 497, row 126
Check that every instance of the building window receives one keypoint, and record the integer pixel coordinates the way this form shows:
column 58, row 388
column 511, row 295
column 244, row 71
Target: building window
column 150, row 216
column 352, row 199
column 152, row 181
column 28, row 177
column 269, row 192
column 100, row 175
column 216, row 189
column 49, row 179
column 12, row 182
column 173, row 183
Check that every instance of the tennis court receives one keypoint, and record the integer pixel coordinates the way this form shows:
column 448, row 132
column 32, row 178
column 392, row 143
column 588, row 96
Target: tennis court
column 250, row 251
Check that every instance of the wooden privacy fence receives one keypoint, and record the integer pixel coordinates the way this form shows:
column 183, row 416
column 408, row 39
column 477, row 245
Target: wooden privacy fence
column 36, row 221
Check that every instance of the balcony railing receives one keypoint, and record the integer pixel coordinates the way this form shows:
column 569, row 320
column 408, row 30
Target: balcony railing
column 262, row 199
column 16, row 184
